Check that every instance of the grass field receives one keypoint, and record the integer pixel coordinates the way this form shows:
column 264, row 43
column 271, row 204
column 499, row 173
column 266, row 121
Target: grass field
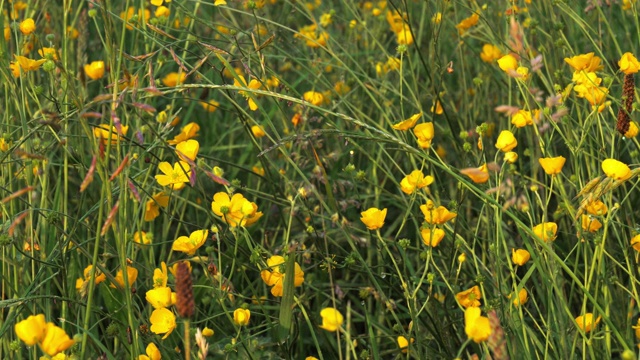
column 282, row 179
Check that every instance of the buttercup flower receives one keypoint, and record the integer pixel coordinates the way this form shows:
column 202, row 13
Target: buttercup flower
column 173, row 79
column 597, row 208
column 331, row 319
column 432, row 237
column 589, row 223
column 32, row 330
column 511, row 157
column 253, row 85
column 520, row 256
column 586, row 323
column 522, row 118
column 552, row 166
column 587, row 62
column 312, row 37
column 83, row 282
column 27, row 64
column 241, row 317
column 629, row 64
column 174, row 177
column 189, row 245
column 160, row 276
column 635, row 242
column 415, row 180
column 48, row 52
column 476, row 327
column 207, row 332
column 314, row 97
column 403, row 343
column 152, row 353
column 508, row 63
column 273, row 277
column 467, row 23
column 257, row 131
column 479, row 175
column 546, row 231
column 521, row 299
column 210, row 105
column 132, row 275
column 94, row 70
column 141, row 237
column 161, row 297
column 187, row 132
column 408, row 123
column 470, row 297
column 637, row 329
column 424, row 133
column 373, row 218
column 433, row 215
column 104, row 132
column 152, row 206
column 163, row 321
column 616, row 170
column 506, row 141
column 632, row 131
column 490, row 53
column 188, row 150
column 27, row 26
column 56, row 340
column 235, row 211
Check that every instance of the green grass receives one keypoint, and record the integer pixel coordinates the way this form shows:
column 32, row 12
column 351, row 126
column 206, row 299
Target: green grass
column 317, row 168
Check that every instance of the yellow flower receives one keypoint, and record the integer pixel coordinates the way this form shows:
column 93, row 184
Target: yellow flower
column 160, row 276
column 161, row 297
column 637, row 329
column 586, row 323
column 403, row 343
column 187, row 132
column 253, row 85
column 373, row 218
column 141, row 15
column 629, row 64
column 511, row 157
column 404, row 36
column 587, row 62
column 479, row 175
column 633, row 130
column 616, row 170
column 27, row 64
column 476, row 327
column 437, row 18
column 273, row 277
column 433, row 215
column 552, row 166
column 331, row 319
column 436, row 108
column 506, row 141
column 312, row 37
column 219, row 2
column 132, row 275
column 95, row 70
column 258, row 131
column 508, row 63
column 521, row 299
column 314, row 97
column 15, row 69
column 424, row 133
column 206, row 332
column 152, row 353
column 470, row 297
column 520, row 256
column 173, row 79
column 490, row 53
column 27, row 26
column 590, row 224
column 522, row 118
column 415, row 180
column 104, row 132
column 596, row 207
column 48, row 52
column 210, row 106
column 546, row 231
column 635, row 242
column 235, row 211
column 141, row 237
column 32, row 330
column 408, row 123
column 56, row 340
column 175, row 177
column 467, row 23
column 188, row 150
column 189, row 245
column 162, row 11
column 7, row 33
column 432, row 238
column 241, row 317
column 152, row 206
column 82, row 283
column 163, row 321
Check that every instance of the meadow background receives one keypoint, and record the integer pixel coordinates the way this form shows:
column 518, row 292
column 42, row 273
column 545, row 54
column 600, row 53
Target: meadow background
column 281, row 179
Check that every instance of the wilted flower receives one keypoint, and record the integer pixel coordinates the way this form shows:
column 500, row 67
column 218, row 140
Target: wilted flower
column 373, row 218
column 273, row 277
column 331, row 319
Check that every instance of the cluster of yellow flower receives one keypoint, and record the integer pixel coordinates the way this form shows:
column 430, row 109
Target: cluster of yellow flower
column 49, row 337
